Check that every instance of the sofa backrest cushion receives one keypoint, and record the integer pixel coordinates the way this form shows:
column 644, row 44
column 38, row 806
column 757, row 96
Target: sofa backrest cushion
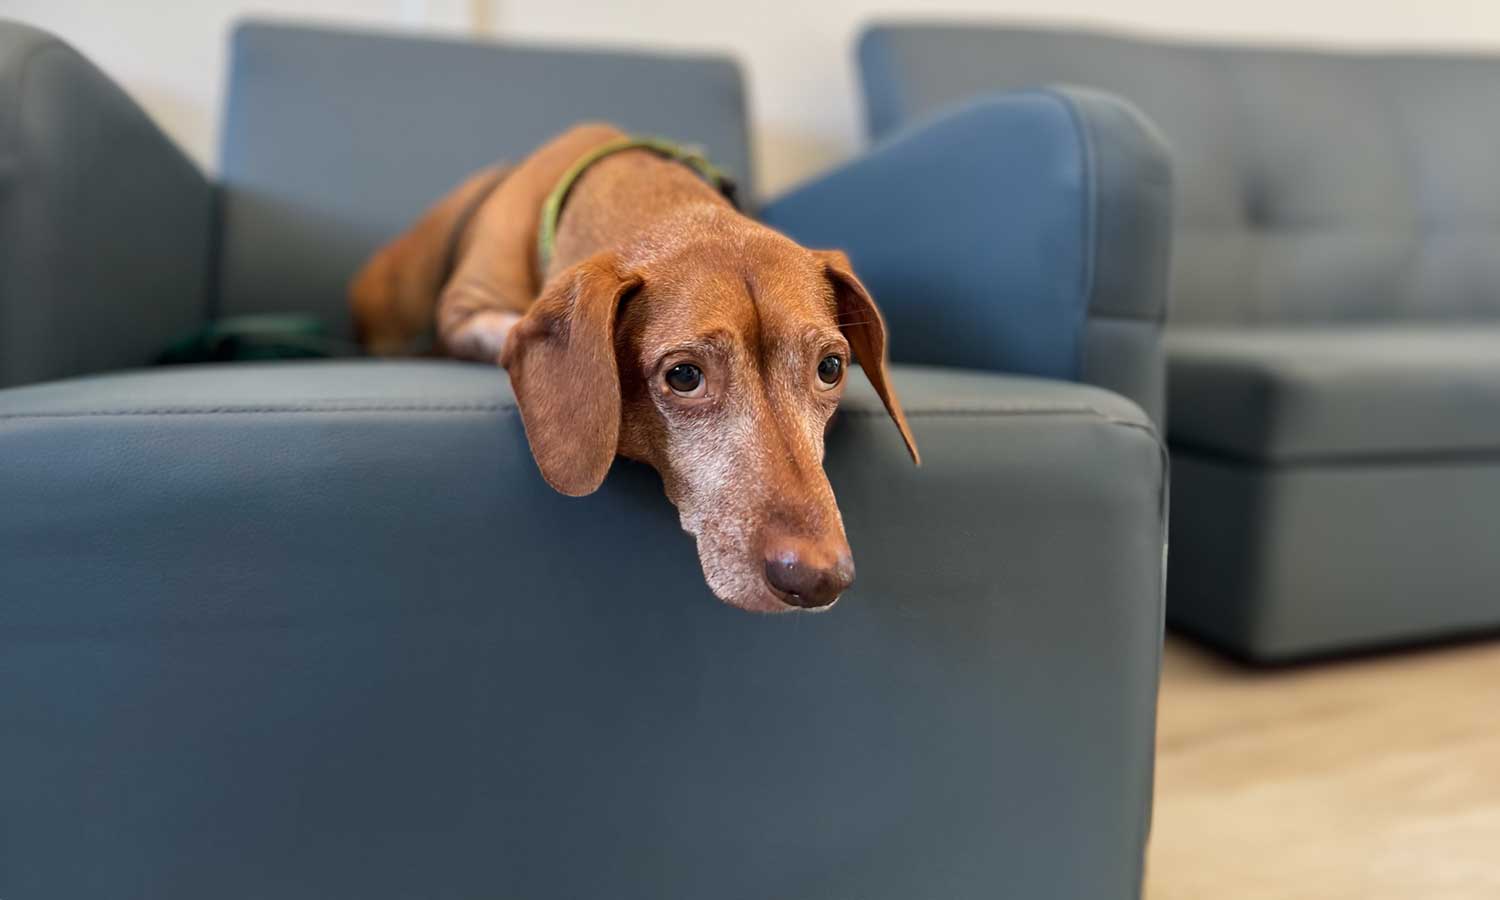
column 334, row 141
column 1311, row 186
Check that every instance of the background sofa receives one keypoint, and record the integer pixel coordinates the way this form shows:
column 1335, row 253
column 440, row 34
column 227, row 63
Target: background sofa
column 320, row 630
column 1334, row 337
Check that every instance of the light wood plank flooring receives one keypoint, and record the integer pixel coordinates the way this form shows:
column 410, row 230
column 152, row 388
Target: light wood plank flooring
column 1368, row 779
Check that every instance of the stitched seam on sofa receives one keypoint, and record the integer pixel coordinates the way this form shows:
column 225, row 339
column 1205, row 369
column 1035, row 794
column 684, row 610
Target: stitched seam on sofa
column 262, row 410
column 1089, row 217
column 1164, row 513
column 482, row 407
column 955, row 412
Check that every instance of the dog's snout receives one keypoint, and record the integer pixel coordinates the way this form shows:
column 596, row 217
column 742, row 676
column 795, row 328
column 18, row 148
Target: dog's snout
column 810, row 575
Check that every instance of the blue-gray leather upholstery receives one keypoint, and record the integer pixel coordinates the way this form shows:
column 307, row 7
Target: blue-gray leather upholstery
column 334, row 141
column 321, row 630
column 1337, row 393
column 1334, row 352
column 1290, row 561
column 1312, row 187
column 104, row 224
column 1041, row 247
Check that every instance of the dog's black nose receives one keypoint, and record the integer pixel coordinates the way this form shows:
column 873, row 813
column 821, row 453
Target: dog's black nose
column 808, row 574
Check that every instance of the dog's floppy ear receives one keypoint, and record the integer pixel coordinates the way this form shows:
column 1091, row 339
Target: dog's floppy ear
column 561, row 358
column 393, row 295
column 860, row 321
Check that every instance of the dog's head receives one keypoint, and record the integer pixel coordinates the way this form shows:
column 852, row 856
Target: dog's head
column 719, row 361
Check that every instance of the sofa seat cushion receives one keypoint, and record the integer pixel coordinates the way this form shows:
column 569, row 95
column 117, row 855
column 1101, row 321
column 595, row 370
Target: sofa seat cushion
column 1336, row 393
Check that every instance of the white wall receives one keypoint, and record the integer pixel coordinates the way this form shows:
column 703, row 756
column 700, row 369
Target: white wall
column 797, row 53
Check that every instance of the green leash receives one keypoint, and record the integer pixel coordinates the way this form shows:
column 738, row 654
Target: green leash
column 692, row 157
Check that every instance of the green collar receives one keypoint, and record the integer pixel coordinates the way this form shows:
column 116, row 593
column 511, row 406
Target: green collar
column 692, row 157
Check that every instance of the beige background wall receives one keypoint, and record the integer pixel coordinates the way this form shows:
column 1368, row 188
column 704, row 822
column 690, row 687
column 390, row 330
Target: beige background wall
column 797, row 53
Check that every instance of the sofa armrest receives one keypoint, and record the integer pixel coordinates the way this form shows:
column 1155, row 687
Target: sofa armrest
column 333, row 610
column 1023, row 232
column 104, row 224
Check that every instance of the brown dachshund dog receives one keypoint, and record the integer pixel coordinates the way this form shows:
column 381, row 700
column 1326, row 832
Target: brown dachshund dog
column 667, row 328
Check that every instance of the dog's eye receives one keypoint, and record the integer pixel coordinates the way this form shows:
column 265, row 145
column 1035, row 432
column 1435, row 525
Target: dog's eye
column 685, row 379
column 830, row 370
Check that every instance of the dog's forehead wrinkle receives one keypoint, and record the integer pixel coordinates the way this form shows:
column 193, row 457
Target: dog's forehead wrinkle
column 689, row 319
column 716, row 273
column 794, row 311
column 697, row 228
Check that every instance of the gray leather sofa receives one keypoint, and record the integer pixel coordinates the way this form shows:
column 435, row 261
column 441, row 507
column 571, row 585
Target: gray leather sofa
column 1334, row 338
column 320, row 629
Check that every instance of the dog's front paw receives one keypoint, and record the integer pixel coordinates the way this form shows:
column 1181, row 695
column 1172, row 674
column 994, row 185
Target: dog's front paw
column 482, row 335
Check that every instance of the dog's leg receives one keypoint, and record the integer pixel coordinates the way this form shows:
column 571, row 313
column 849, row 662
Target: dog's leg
column 394, row 294
column 482, row 335
column 483, row 302
column 493, row 282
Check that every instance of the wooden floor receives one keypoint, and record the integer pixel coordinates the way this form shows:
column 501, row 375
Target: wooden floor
column 1373, row 778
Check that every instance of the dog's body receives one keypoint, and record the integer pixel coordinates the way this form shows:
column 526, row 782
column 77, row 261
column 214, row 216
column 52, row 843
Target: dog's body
column 666, row 328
